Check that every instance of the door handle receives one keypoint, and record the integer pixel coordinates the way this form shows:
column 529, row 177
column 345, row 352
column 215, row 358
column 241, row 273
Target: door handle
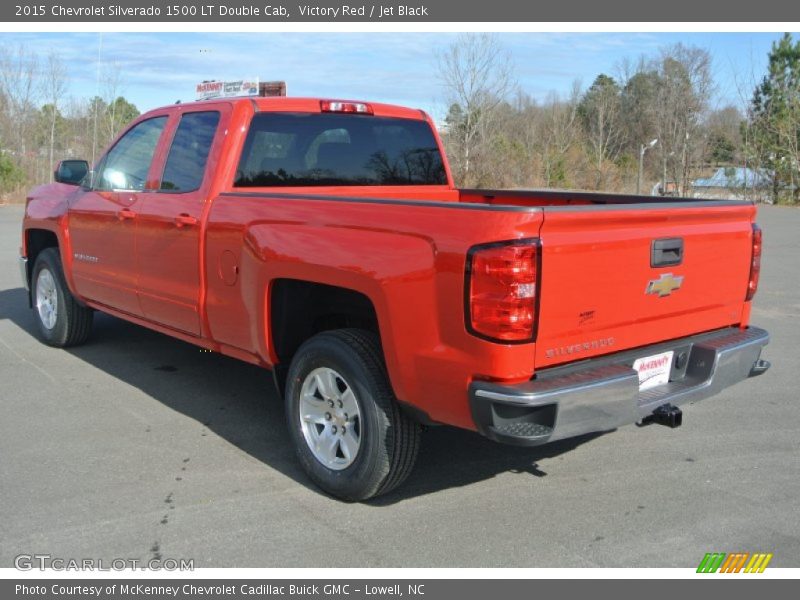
column 666, row 252
column 185, row 219
column 126, row 213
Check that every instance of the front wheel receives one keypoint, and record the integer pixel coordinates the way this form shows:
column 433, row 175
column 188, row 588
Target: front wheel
column 61, row 320
column 349, row 433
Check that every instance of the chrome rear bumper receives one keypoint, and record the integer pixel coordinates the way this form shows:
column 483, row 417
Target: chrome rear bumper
column 603, row 394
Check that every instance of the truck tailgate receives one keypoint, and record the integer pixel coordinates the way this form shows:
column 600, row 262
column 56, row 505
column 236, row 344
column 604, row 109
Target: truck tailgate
column 601, row 294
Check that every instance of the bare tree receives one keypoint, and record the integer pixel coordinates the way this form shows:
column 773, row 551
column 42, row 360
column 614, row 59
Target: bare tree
column 38, row 121
column 560, row 130
column 111, row 82
column 19, row 68
column 55, row 85
column 477, row 74
column 684, row 89
column 527, row 125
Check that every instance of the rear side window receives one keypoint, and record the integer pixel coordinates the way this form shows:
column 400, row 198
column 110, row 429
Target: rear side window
column 186, row 162
column 288, row 149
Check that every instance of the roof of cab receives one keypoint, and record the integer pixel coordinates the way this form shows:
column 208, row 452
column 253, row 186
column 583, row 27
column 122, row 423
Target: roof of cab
column 312, row 105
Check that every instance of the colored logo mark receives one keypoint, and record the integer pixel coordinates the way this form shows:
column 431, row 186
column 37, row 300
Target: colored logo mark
column 737, row 562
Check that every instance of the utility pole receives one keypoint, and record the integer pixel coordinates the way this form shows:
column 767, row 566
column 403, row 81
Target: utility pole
column 642, row 149
column 96, row 95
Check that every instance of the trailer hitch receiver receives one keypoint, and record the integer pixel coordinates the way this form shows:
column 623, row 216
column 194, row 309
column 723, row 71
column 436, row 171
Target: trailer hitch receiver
column 666, row 414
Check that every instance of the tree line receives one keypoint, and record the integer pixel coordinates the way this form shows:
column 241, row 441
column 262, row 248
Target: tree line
column 649, row 126
column 40, row 124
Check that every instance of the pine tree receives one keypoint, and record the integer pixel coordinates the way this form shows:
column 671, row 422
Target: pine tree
column 776, row 116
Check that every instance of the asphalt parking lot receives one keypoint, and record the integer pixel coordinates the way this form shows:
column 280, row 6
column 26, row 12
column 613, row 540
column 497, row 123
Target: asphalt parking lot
column 137, row 446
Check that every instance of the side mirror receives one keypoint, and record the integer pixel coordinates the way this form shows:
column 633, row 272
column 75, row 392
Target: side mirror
column 71, row 172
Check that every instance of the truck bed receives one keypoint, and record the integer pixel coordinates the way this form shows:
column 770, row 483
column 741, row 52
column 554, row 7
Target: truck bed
column 596, row 252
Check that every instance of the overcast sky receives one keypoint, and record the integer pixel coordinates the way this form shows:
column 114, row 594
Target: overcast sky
column 160, row 68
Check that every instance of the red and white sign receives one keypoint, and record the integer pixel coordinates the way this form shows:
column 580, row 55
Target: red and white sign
column 653, row 370
column 227, row 89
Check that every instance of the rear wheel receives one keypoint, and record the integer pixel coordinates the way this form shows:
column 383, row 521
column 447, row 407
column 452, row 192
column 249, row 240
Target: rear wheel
column 61, row 320
column 349, row 433
column 330, row 418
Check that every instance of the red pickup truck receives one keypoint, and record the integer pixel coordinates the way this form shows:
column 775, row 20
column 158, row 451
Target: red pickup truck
column 325, row 240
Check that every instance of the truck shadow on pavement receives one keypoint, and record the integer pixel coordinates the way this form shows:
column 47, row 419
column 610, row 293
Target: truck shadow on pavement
column 237, row 402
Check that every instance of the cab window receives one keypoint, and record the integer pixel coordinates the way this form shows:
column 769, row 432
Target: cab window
column 188, row 155
column 126, row 165
column 300, row 149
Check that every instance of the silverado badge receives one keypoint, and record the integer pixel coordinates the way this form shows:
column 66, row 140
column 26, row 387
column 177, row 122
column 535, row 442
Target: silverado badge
column 664, row 285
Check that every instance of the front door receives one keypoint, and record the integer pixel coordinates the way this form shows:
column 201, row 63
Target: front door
column 103, row 219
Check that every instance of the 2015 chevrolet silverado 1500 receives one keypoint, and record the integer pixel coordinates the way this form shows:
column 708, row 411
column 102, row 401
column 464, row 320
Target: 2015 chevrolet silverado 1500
column 325, row 240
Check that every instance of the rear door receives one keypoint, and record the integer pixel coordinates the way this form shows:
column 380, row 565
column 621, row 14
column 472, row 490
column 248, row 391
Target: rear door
column 619, row 277
column 170, row 222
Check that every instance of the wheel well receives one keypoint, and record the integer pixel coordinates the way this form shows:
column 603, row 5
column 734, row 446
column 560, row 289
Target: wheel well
column 301, row 309
column 37, row 240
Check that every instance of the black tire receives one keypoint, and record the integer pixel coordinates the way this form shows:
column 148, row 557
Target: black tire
column 73, row 321
column 389, row 439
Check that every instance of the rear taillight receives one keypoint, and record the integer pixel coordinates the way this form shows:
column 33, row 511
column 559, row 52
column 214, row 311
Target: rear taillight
column 501, row 289
column 755, row 264
column 345, row 107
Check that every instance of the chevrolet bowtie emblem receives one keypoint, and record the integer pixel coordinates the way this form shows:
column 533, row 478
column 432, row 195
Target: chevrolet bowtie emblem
column 664, row 285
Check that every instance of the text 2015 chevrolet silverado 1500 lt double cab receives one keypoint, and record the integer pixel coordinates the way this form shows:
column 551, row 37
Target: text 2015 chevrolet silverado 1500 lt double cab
column 325, row 240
